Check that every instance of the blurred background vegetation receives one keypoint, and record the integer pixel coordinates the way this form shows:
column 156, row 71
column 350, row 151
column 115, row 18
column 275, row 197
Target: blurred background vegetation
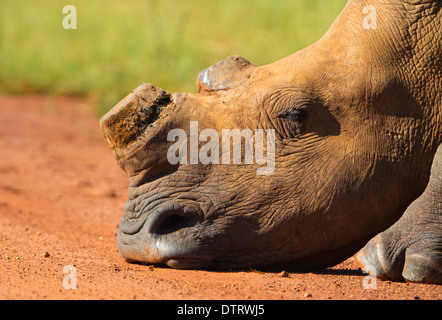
column 119, row 45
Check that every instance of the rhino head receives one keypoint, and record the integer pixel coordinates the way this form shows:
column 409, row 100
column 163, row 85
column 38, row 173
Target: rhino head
column 334, row 142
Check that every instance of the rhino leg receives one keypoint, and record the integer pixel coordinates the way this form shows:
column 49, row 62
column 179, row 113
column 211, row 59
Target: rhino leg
column 411, row 249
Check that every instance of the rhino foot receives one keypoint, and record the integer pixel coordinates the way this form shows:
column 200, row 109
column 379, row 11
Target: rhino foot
column 390, row 259
column 411, row 249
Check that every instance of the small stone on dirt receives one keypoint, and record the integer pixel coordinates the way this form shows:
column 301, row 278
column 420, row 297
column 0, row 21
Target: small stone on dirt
column 46, row 254
column 283, row 274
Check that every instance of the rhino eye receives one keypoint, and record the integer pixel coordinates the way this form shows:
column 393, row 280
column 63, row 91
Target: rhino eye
column 291, row 123
column 296, row 115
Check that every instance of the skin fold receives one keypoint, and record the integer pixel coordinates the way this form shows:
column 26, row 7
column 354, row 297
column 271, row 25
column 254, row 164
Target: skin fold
column 357, row 122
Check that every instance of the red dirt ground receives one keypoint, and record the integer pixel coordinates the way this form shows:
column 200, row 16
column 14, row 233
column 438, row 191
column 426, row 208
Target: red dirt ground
column 62, row 196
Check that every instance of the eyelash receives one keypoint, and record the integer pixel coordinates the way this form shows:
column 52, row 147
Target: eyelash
column 294, row 115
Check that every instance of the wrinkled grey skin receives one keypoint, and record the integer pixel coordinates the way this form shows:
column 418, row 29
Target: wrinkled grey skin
column 358, row 120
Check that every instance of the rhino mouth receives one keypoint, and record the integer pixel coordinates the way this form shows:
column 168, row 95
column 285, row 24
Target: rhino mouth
column 164, row 234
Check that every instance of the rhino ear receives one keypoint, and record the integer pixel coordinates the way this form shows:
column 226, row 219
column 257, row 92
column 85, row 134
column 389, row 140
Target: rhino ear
column 227, row 74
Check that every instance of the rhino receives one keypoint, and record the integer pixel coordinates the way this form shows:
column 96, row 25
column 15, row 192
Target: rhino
column 349, row 128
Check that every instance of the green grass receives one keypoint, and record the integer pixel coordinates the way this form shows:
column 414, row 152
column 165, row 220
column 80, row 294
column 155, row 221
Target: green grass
column 121, row 44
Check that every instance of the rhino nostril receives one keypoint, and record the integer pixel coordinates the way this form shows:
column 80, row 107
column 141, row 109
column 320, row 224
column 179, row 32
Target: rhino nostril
column 171, row 221
column 174, row 223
